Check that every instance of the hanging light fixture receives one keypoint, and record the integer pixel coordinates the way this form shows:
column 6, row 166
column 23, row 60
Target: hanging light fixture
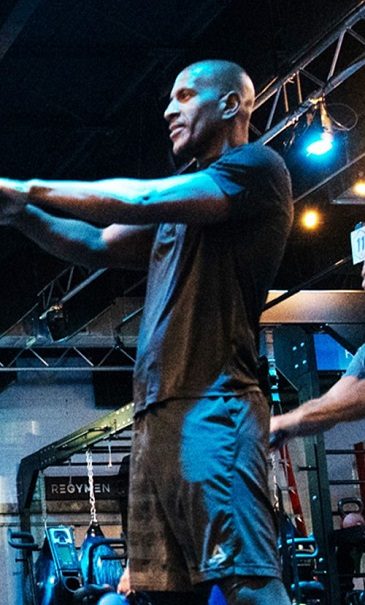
column 321, row 137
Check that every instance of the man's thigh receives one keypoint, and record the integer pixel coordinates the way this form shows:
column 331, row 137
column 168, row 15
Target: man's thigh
column 199, row 508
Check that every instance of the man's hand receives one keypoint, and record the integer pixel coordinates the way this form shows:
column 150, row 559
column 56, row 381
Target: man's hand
column 124, row 586
column 283, row 428
column 13, row 198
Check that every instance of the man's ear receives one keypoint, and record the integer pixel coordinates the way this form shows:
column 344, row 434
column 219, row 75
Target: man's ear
column 230, row 105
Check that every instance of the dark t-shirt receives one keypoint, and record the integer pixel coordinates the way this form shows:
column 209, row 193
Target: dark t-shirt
column 207, row 285
column 357, row 364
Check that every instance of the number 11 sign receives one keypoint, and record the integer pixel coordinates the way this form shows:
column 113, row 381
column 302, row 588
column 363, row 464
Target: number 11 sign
column 358, row 244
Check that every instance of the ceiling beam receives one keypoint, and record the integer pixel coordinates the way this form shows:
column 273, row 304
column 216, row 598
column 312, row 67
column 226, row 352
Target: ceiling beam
column 277, row 91
column 15, row 23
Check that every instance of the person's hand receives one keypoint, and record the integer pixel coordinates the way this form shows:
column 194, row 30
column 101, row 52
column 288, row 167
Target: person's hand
column 282, row 428
column 124, row 586
column 13, row 198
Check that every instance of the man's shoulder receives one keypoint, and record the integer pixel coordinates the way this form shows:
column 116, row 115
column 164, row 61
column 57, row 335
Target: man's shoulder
column 254, row 155
column 252, row 169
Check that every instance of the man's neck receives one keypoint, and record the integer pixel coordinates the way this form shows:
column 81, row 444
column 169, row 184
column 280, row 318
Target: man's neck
column 205, row 160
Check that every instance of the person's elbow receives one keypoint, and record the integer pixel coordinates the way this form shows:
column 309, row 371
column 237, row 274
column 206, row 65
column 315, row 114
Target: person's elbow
column 85, row 248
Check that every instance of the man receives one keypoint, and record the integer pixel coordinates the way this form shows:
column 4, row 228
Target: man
column 212, row 240
column 345, row 401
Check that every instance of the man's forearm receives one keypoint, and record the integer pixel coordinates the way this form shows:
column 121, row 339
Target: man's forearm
column 344, row 402
column 101, row 202
column 311, row 417
column 191, row 198
column 70, row 240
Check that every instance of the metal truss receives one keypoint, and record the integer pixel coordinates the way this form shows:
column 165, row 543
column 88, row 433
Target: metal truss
column 70, row 359
column 338, row 173
column 114, row 356
column 67, row 284
column 68, row 281
column 15, row 23
column 285, row 96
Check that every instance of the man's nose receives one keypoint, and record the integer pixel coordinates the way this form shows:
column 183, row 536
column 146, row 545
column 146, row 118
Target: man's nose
column 171, row 110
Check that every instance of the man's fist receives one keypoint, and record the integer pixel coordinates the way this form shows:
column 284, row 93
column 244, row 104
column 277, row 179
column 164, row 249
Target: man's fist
column 124, row 586
column 282, row 428
column 13, row 198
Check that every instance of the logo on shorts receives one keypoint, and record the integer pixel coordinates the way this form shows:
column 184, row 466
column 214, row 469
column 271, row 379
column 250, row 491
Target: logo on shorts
column 218, row 555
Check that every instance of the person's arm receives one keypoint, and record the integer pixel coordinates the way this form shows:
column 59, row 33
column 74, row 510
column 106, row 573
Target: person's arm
column 124, row 585
column 81, row 243
column 344, row 402
column 190, row 198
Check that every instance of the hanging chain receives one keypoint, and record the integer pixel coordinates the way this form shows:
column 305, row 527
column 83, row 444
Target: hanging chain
column 268, row 336
column 69, row 472
column 275, row 468
column 42, row 495
column 90, row 474
column 110, row 463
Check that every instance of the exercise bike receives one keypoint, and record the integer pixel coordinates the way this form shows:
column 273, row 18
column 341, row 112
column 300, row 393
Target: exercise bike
column 56, row 577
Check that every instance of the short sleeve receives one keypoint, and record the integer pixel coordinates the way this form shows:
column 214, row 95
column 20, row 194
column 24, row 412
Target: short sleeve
column 256, row 178
column 246, row 167
column 357, row 365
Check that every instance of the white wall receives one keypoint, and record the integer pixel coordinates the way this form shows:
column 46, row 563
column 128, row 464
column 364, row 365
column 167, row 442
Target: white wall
column 39, row 408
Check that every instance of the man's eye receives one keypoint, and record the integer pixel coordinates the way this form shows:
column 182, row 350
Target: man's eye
column 185, row 95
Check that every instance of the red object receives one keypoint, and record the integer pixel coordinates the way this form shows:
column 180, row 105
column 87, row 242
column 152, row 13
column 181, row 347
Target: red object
column 360, row 464
column 293, row 492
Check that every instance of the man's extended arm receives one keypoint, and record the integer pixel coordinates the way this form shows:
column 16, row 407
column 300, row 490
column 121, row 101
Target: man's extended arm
column 344, row 402
column 117, row 203
column 190, row 198
column 81, row 243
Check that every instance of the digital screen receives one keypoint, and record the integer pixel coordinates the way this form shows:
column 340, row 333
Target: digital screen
column 65, row 554
column 330, row 355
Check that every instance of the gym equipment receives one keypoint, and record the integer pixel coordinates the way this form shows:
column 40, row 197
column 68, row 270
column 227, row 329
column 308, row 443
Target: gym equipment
column 31, row 468
column 113, row 599
column 355, row 597
column 350, row 510
column 24, row 541
column 57, row 568
column 350, row 543
column 99, row 562
column 304, row 588
column 55, row 576
column 58, row 577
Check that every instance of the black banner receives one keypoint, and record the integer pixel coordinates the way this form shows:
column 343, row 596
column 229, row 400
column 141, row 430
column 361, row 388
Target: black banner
column 77, row 488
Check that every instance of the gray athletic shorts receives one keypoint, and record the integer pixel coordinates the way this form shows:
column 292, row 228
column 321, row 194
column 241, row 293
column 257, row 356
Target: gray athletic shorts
column 199, row 508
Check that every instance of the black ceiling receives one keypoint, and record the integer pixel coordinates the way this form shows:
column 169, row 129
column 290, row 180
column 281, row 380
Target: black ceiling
column 84, row 85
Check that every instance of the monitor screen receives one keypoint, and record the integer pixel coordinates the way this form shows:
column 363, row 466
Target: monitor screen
column 330, row 355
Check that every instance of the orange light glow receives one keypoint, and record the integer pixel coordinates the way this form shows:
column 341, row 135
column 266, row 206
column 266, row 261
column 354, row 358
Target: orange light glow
column 310, row 219
column 359, row 188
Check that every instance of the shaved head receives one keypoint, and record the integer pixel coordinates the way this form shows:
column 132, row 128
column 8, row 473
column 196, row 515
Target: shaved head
column 209, row 110
column 227, row 76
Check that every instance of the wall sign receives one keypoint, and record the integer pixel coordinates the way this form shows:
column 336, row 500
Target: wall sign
column 358, row 245
column 77, row 488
